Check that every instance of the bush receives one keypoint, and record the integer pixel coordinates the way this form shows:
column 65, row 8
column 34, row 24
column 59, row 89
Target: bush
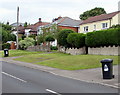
column 53, row 48
column 80, row 41
column 6, row 46
column 32, row 36
column 72, row 37
column 24, row 44
column 49, row 38
column 62, row 37
column 77, row 40
column 107, row 37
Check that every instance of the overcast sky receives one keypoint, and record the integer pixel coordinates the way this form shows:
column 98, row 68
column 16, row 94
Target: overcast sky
column 31, row 10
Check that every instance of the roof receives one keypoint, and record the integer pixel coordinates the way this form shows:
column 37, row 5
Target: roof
column 66, row 21
column 100, row 17
column 21, row 29
column 36, row 25
column 15, row 24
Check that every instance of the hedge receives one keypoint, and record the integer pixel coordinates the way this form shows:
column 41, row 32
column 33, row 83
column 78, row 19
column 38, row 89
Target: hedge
column 62, row 37
column 6, row 46
column 77, row 40
column 107, row 37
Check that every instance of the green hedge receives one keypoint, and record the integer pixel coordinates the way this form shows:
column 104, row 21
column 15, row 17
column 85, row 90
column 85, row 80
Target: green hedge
column 107, row 37
column 77, row 40
column 6, row 46
column 62, row 37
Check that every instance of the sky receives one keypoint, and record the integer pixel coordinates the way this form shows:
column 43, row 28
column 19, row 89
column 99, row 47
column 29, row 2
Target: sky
column 31, row 10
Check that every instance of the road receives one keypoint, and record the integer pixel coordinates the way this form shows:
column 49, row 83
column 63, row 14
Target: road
column 19, row 79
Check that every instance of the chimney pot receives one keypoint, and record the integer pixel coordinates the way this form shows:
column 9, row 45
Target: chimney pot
column 40, row 20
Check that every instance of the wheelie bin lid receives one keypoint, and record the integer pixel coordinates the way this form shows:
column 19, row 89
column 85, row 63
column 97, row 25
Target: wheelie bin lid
column 106, row 61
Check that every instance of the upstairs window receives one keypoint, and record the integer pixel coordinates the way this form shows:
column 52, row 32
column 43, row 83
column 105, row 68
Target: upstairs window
column 104, row 25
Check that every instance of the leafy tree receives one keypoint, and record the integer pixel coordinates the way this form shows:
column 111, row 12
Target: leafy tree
column 49, row 38
column 93, row 12
column 40, row 39
column 24, row 44
column 62, row 37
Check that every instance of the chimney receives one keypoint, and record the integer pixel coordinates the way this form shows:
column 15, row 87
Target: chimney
column 40, row 20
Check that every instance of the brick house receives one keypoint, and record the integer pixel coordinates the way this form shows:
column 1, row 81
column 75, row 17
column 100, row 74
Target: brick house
column 67, row 23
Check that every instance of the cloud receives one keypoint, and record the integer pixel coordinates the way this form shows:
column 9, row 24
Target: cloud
column 31, row 10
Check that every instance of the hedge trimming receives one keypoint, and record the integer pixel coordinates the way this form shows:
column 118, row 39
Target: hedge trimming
column 76, row 40
column 107, row 37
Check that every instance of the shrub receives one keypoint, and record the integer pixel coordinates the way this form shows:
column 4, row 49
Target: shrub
column 6, row 46
column 107, row 37
column 80, row 41
column 49, row 38
column 62, row 37
column 72, row 37
column 53, row 48
column 24, row 44
column 77, row 40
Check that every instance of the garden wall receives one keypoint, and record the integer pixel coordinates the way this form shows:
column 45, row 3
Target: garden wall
column 73, row 51
column 105, row 50
column 38, row 48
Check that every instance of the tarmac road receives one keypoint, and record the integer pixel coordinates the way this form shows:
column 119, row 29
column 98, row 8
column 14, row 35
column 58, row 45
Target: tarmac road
column 19, row 79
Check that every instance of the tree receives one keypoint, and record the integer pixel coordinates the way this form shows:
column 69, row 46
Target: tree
column 93, row 12
column 25, row 24
column 49, row 38
column 40, row 39
column 62, row 37
column 5, row 33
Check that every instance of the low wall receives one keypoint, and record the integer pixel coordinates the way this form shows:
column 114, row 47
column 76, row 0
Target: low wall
column 38, row 48
column 104, row 50
column 73, row 51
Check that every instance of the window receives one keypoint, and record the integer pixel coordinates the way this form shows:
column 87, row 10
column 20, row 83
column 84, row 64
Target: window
column 104, row 25
column 94, row 27
column 86, row 29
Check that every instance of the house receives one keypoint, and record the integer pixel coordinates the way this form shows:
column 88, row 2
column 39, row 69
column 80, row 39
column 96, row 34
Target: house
column 21, row 31
column 14, row 25
column 33, row 29
column 29, row 30
column 60, row 23
column 103, row 21
column 67, row 23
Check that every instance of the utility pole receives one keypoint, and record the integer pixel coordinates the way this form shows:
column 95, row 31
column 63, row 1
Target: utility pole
column 17, row 26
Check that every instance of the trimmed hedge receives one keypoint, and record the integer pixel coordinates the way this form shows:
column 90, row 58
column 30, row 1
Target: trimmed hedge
column 107, row 37
column 77, row 40
column 5, row 46
column 62, row 37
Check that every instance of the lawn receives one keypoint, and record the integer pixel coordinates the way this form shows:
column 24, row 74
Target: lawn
column 67, row 62
column 13, row 53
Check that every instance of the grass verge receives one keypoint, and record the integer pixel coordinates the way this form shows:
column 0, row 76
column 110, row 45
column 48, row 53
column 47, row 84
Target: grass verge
column 67, row 62
column 13, row 53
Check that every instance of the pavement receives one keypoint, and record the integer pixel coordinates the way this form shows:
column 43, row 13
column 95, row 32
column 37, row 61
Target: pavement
column 86, row 75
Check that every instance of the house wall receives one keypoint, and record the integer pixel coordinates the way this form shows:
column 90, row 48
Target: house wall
column 66, row 27
column 98, row 24
column 91, row 26
column 115, row 19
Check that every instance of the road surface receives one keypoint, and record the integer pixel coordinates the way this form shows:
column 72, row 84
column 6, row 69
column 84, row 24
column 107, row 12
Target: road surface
column 19, row 79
